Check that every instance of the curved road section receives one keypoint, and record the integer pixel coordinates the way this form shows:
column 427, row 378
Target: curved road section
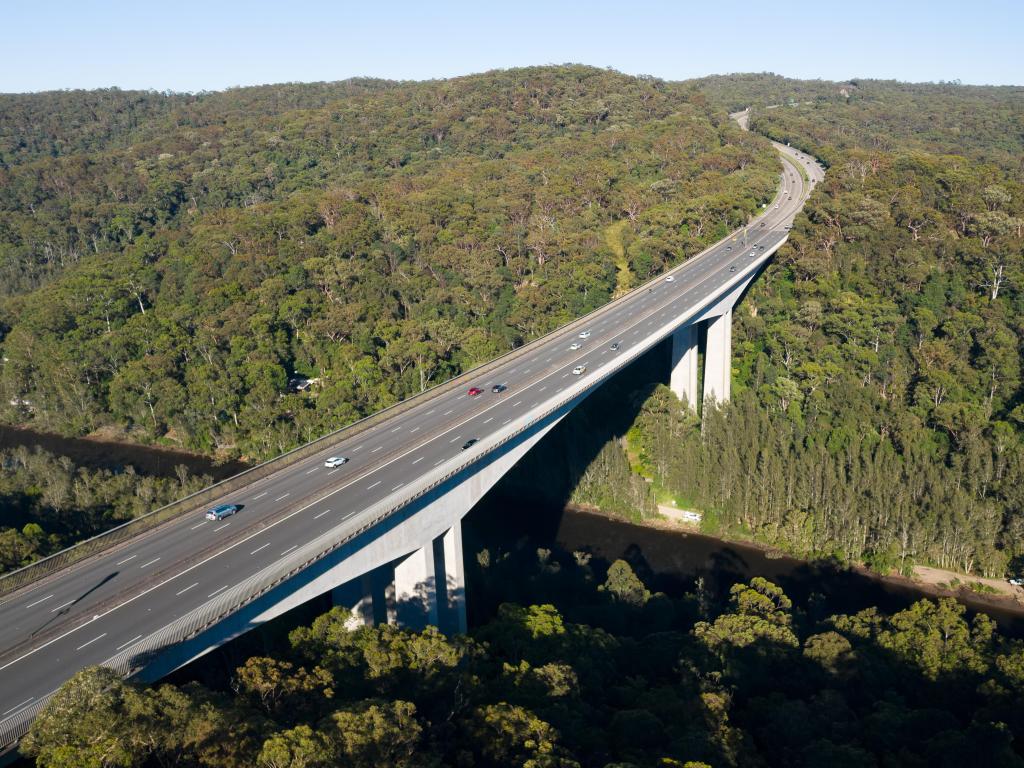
column 111, row 603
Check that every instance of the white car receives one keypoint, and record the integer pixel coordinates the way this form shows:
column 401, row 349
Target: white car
column 670, row 279
column 776, row 205
column 585, row 335
column 335, row 461
column 575, row 345
column 579, row 370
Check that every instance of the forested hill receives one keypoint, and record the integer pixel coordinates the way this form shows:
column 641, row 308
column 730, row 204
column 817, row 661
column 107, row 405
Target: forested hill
column 168, row 262
column 878, row 409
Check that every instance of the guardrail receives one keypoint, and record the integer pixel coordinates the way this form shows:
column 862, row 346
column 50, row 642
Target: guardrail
column 77, row 553
column 133, row 660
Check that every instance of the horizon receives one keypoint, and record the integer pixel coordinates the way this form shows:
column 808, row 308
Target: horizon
column 208, row 49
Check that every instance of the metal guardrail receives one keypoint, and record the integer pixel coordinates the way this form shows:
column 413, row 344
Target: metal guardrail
column 77, row 553
column 134, row 659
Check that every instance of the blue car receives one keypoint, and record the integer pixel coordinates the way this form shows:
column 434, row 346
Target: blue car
column 221, row 511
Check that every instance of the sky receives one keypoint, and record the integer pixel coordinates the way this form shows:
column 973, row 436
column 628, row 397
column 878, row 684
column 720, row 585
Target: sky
column 187, row 45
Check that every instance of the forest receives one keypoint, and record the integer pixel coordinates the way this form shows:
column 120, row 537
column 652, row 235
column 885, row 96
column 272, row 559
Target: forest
column 596, row 668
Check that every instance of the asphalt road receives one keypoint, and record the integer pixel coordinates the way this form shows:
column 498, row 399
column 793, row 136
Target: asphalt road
column 111, row 602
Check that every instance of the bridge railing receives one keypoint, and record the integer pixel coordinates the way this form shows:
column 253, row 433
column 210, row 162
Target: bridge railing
column 29, row 574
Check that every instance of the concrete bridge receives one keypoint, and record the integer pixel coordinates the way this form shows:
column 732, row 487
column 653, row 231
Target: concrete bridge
column 381, row 532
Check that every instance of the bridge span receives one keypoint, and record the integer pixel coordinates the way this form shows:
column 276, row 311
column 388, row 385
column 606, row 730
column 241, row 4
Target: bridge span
column 381, row 532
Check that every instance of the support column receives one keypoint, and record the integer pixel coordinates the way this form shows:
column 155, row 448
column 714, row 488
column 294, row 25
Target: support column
column 718, row 358
column 452, row 575
column 683, row 379
column 416, row 589
column 365, row 597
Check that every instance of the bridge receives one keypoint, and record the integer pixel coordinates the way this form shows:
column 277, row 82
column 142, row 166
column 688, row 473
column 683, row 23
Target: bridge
column 382, row 532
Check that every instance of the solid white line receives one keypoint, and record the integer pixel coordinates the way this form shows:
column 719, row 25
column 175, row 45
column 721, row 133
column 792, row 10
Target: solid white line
column 282, row 497
column 293, row 546
column 26, row 701
column 196, row 526
column 417, row 461
column 126, row 560
column 260, row 549
column 321, row 514
column 221, row 527
column 373, row 486
column 260, row 496
column 217, row 592
column 91, row 641
column 37, row 602
column 125, row 645
column 186, row 589
column 149, row 563
column 62, row 606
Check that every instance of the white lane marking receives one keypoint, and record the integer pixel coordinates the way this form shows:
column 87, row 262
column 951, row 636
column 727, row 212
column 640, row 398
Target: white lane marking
column 395, row 430
column 369, row 488
column 217, row 591
column 430, row 411
column 221, row 528
column 543, row 388
column 417, row 461
column 320, row 514
column 69, row 602
column 282, row 497
column 26, row 701
column 186, row 589
column 293, row 546
column 416, row 429
column 83, row 645
column 447, row 412
column 260, row 549
column 260, row 496
column 37, row 602
column 547, row 360
column 357, row 448
column 454, row 439
column 438, row 462
column 397, row 486
column 517, row 402
column 334, row 470
column 125, row 645
column 564, row 375
column 194, row 527
column 146, row 565
column 506, row 421
column 527, row 370
column 122, row 562
column 377, row 449
column 314, row 469
column 488, row 421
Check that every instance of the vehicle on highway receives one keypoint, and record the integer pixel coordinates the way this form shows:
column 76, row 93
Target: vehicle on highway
column 497, row 388
column 579, row 370
column 575, row 345
column 753, row 253
column 474, row 391
column 585, row 334
column 732, row 268
column 669, row 279
column 776, row 205
column 470, row 443
column 728, row 247
column 335, row 461
column 614, row 346
column 221, row 511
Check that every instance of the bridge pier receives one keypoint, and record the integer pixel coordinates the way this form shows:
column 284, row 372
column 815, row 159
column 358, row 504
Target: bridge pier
column 683, row 379
column 718, row 358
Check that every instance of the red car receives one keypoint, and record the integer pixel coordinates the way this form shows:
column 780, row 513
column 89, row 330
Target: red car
column 474, row 391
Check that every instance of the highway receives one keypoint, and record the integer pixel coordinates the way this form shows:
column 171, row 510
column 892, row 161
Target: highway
column 104, row 605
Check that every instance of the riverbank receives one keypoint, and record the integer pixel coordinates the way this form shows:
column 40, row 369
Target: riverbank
column 668, row 547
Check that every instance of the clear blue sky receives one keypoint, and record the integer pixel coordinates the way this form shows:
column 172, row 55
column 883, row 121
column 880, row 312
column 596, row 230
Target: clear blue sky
column 185, row 45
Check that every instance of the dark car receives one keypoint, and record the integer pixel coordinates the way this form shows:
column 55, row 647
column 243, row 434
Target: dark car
column 474, row 391
column 614, row 346
column 498, row 388
column 470, row 443
column 221, row 511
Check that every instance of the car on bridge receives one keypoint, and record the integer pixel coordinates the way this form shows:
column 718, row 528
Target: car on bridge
column 579, row 370
column 474, row 391
column 614, row 346
column 499, row 388
column 335, row 461
column 670, row 279
column 585, row 334
column 470, row 443
column 221, row 511
column 575, row 345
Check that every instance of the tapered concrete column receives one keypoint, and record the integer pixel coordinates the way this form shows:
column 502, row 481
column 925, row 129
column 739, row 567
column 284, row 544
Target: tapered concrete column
column 683, row 379
column 365, row 597
column 718, row 358
column 453, row 575
column 416, row 589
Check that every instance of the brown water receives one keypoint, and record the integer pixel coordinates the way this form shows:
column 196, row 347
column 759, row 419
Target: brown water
column 113, row 455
